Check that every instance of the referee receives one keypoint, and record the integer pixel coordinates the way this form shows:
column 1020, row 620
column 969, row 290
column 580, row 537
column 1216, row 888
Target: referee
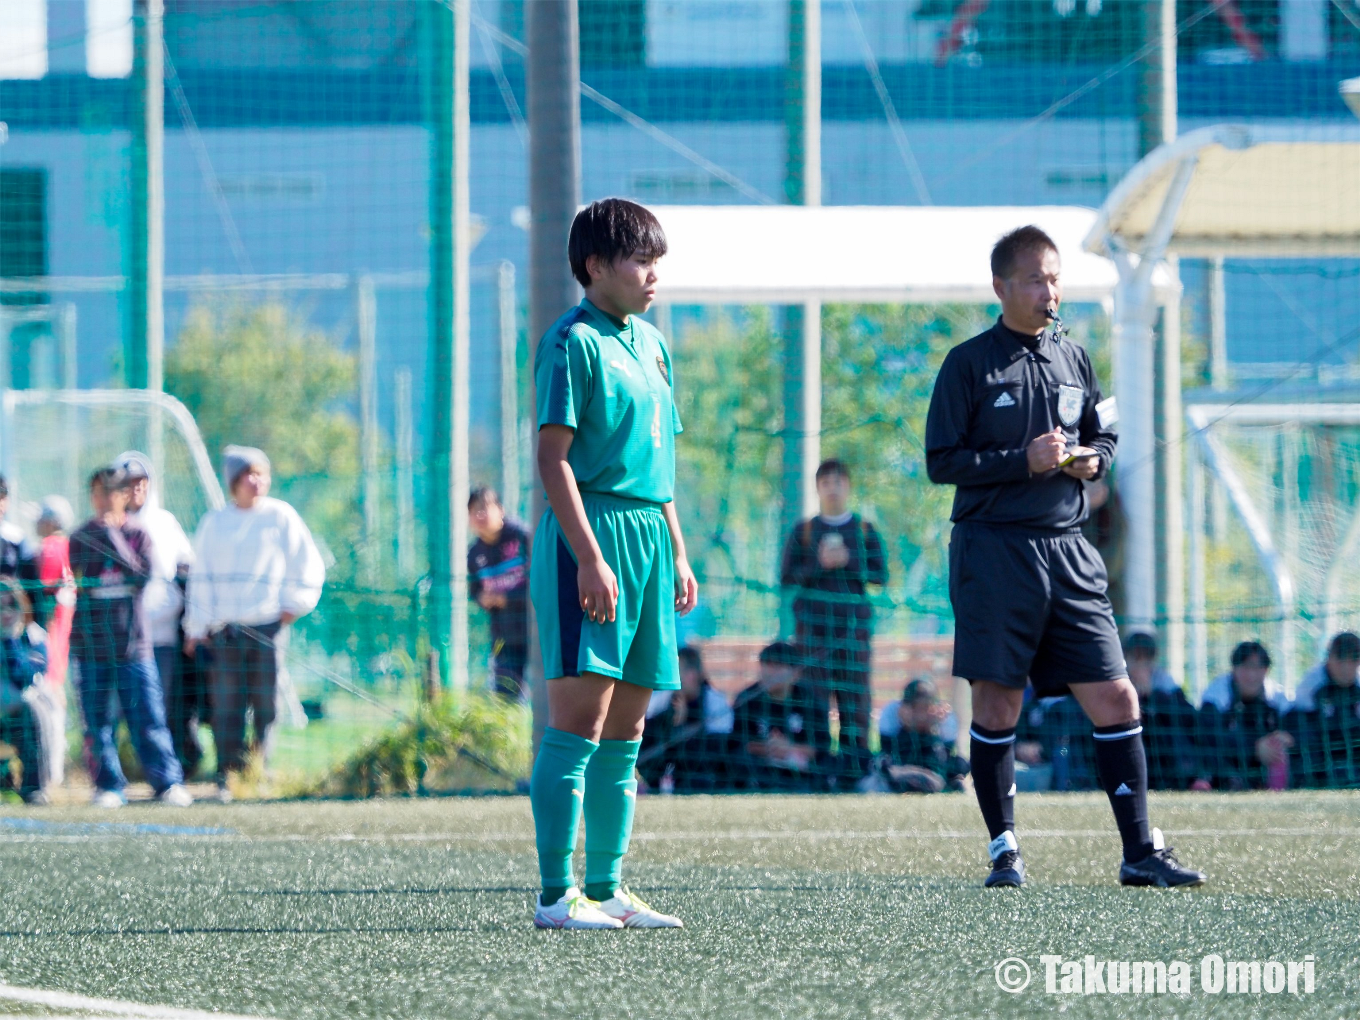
column 1017, row 423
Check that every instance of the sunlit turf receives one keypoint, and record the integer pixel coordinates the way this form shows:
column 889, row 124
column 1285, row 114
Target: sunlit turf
column 795, row 907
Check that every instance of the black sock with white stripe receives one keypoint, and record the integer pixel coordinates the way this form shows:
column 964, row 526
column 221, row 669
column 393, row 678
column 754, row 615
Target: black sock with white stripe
column 992, row 761
column 1122, row 763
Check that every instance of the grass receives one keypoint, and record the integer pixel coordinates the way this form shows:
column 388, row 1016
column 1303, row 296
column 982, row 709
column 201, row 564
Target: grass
column 796, row 907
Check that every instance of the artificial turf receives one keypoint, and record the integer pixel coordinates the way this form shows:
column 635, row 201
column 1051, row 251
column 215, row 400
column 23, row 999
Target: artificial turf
column 794, row 907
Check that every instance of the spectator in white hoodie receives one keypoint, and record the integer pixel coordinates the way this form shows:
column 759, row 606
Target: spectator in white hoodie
column 163, row 605
column 256, row 570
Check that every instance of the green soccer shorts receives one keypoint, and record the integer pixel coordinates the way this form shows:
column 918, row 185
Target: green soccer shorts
column 638, row 647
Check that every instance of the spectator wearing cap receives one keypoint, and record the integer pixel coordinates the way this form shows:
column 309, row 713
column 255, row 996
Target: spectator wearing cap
column 256, row 569
column 163, row 606
column 111, row 564
column 1245, row 746
column 1325, row 719
column 1168, row 718
column 920, row 757
column 780, row 727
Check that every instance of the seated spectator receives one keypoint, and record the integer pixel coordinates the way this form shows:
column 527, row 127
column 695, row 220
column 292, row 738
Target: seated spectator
column 1240, row 727
column 31, row 720
column 1169, row 721
column 1340, row 667
column 917, row 757
column 111, row 562
column 1327, row 732
column 779, row 726
column 689, row 740
column 1055, row 732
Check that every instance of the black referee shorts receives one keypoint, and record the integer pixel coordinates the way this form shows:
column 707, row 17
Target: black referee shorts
column 1031, row 604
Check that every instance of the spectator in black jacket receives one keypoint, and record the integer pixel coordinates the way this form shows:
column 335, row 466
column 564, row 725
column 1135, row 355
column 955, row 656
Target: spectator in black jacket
column 1245, row 746
column 498, row 578
column 829, row 560
column 691, row 740
column 1055, row 731
column 920, row 760
column 780, row 726
column 1326, row 728
column 1169, row 721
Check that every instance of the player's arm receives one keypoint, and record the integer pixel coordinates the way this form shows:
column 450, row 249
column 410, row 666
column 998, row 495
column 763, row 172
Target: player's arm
column 950, row 460
column 599, row 589
column 686, row 585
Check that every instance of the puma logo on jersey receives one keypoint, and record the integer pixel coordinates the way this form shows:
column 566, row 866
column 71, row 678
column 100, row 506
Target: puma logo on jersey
column 1005, row 400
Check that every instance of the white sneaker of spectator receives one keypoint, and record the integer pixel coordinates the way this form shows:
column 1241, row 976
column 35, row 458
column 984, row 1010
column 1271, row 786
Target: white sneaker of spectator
column 175, row 796
column 573, row 910
column 223, row 795
column 624, row 906
column 108, row 799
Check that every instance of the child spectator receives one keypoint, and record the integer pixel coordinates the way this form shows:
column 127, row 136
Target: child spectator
column 163, row 606
column 1168, row 717
column 111, row 563
column 498, row 578
column 919, row 758
column 779, row 724
column 256, row 570
column 1240, row 717
column 1327, row 731
column 57, row 601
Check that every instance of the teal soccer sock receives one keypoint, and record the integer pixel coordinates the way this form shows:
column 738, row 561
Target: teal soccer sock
column 611, row 792
column 556, row 790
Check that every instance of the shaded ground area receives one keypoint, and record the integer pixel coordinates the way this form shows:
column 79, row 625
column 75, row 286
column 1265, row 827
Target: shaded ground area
column 796, row 907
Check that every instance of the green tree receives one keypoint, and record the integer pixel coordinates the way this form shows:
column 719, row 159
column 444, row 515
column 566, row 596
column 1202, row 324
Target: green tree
column 258, row 375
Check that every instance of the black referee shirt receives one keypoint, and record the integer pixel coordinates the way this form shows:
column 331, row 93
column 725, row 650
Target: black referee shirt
column 995, row 393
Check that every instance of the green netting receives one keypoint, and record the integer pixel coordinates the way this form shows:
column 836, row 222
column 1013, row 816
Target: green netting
column 298, row 253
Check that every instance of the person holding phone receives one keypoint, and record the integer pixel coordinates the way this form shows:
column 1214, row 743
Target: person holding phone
column 1017, row 423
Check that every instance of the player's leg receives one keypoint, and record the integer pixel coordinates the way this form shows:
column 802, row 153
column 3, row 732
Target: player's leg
column 999, row 590
column 578, row 701
column 647, row 591
column 1081, row 649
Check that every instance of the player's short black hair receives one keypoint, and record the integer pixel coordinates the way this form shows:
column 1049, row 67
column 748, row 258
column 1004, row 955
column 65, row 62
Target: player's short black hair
column 482, row 495
column 780, row 653
column 1345, row 646
column 1021, row 239
column 1251, row 650
column 613, row 228
column 833, row 466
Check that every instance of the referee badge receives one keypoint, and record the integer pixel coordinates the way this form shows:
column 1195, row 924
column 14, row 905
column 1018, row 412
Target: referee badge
column 661, row 367
column 1069, row 404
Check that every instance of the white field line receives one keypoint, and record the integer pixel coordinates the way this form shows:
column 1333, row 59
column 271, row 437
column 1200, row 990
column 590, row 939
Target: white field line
column 815, row 835
column 107, row 1007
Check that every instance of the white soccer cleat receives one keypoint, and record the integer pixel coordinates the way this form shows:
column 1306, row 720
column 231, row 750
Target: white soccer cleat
column 573, row 911
column 176, row 796
column 634, row 913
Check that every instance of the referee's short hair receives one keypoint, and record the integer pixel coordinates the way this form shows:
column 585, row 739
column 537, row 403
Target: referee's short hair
column 613, row 228
column 1251, row 650
column 1009, row 248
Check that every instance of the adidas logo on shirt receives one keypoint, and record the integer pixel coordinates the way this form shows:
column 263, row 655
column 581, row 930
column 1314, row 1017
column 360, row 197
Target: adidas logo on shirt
column 1123, row 791
column 1005, row 400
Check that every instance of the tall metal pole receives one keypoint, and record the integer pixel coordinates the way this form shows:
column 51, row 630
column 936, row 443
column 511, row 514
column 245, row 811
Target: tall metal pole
column 366, row 321
column 553, row 77
column 449, row 290
column 802, row 323
column 406, row 486
column 509, row 342
column 144, row 350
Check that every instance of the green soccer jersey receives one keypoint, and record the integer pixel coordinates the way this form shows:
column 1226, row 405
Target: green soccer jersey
column 611, row 382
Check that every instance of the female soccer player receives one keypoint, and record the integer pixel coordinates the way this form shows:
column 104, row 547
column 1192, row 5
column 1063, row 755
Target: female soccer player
column 609, row 570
